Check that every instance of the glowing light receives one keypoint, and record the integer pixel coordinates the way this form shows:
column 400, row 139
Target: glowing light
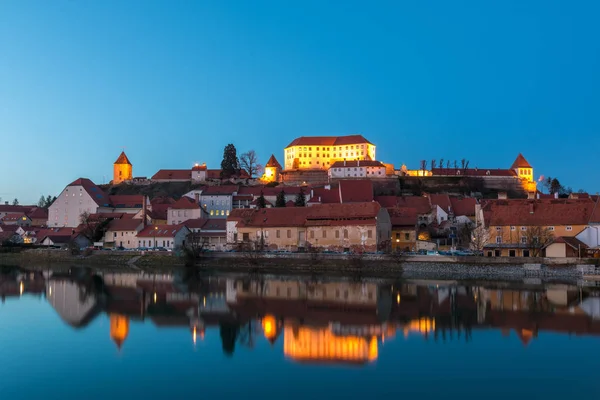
column 398, row 299
column 204, row 301
column 21, row 288
column 155, row 297
column 50, row 291
column 269, row 326
column 194, row 335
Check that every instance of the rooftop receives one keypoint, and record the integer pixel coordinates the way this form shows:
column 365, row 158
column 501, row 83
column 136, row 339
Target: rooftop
column 328, row 140
column 123, row 159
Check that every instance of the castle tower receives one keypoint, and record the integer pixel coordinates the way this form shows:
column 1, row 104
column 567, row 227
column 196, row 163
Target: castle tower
column 524, row 170
column 119, row 329
column 122, row 169
column 272, row 170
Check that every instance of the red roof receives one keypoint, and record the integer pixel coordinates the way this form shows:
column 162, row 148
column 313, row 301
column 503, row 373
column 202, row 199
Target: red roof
column 320, row 214
column 473, row 172
column 290, row 204
column 356, row 191
column 173, row 174
column 123, row 159
column 421, row 204
column 196, row 223
column 124, row 224
column 273, row 162
column 215, row 225
column 403, row 216
column 441, row 200
column 243, row 197
column 127, row 201
column 185, row 203
column 520, row 162
column 357, row 163
column 463, row 206
column 14, row 217
column 97, row 194
column 161, row 230
column 199, row 167
column 162, row 200
column 9, row 228
column 220, row 190
column 7, row 208
column 572, row 242
column 38, row 213
column 517, row 212
column 328, row 140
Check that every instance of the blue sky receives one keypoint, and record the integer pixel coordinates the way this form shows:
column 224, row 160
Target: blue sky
column 175, row 81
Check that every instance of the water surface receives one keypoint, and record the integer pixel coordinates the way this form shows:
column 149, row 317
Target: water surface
column 105, row 335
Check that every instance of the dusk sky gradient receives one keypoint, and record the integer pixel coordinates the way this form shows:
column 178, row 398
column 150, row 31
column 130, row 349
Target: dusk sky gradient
column 175, row 81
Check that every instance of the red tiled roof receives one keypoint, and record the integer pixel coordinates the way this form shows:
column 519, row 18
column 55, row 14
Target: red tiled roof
column 162, row 200
column 473, row 172
column 199, row 167
column 421, row 204
column 185, row 203
column 161, row 230
column 243, row 197
column 328, row 140
column 173, row 174
column 124, row 224
column 463, row 206
column 517, row 212
column 320, row 214
column 441, row 200
column 9, row 228
column 7, row 208
column 196, row 223
column 220, row 190
column 158, row 212
column 97, row 194
column 14, row 217
column 357, row 163
column 356, row 191
column 123, row 159
column 255, row 202
column 273, row 162
column 325, row 196
column 38, row 213
column 6, row 235
column 290, row 204
column 520, row 162
column 127, row 201
column 572, row 242
column 215, row 225
column 403, row 216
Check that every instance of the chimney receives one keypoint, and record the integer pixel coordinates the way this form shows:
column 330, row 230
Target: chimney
column 312, row 193
column 197, row 197
column 531, row 208
column 538, row 195
column 556, row 195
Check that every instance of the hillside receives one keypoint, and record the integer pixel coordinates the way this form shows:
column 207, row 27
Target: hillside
column 157, row 189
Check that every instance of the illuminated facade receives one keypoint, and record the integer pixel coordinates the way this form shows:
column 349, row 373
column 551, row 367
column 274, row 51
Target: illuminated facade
column 272, row 170
column 319, row 344
column 320, row 152
column 122, row 170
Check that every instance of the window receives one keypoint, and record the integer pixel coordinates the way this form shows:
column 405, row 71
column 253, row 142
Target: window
column 312, row 234
column 523, row 239
column 337, row 234
column 345, row 233
column 498, row 239
column 511, row 253
column 324, row 234
column 212, row 212
column 498, row 229
column 370, row 234
column 277, row 234
column 523, row 228
column 513, row 228
column 551, row 228
column 407, row 236
column 289, row 233
column 569, row 228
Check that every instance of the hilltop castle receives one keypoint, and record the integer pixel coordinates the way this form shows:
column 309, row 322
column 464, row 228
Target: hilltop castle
column 122, row 169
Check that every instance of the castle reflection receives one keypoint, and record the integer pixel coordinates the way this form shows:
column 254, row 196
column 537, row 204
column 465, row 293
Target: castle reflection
column 316, row 321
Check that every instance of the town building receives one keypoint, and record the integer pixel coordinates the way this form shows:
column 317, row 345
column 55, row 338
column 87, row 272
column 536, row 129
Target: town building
column 167, row 236
column 357, row 226
column 80, row 196
column 122, row 170
column 197, row 174
column 320, row 152
column 217, row 201
column 184, row 209
column 404, row 229
column 357, row 169
column 123, row 233
column 20, row 219
column 272, row 171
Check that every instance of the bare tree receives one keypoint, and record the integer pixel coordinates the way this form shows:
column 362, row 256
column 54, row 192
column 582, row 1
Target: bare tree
column 93, row 228
column 455, row 164
column 423, row 166
column 480, row 236
column 536, row 238
column 249, row 162
column 433, row 164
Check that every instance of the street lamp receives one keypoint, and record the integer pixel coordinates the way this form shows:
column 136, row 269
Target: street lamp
column 155, row 232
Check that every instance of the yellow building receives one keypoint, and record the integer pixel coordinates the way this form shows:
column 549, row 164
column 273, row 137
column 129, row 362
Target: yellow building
column 320, row 152
column 119, row 329
column 122, row 169
column 272, row 170
column 524, row 170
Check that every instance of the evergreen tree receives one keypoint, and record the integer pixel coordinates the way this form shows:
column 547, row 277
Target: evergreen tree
column 230, row 164
column 42, row 202
column 261, row 202
column 15, row 202
column 300, row 199
column 280, row 201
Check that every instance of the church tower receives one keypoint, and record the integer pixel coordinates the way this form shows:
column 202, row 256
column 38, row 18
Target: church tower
column 272, row 170
column 122, row 169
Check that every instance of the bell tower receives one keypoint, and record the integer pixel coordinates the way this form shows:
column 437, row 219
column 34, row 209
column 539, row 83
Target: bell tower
column 122, row 169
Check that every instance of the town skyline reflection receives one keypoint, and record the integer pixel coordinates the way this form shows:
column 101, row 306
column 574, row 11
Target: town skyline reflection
column 316, row 321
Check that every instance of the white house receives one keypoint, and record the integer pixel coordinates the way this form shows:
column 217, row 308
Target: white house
column 167, row 236
column 356, row 169
column 78, row 197
column 123, row 233
column 184, row 209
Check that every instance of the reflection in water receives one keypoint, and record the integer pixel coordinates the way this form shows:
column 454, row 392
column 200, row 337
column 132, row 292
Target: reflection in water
column 327, row 321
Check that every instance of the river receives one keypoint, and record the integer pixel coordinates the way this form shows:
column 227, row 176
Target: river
column 100, row 334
